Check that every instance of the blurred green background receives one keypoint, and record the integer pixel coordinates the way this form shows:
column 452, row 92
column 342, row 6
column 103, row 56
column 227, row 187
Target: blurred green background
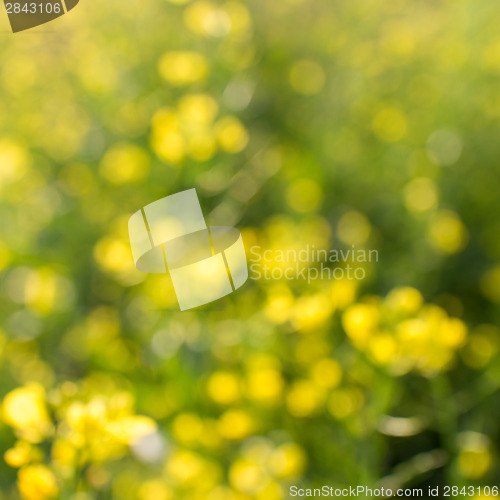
column 301, row 122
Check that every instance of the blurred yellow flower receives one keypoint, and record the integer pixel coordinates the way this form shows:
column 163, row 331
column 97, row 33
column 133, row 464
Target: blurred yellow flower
column 166, row 138
column 37, row 482
column 474, row 459
column 264, row 385
column 187, row 468
column 13, row 161
column 483, row 344
column 326, row 373
column 187, row 428
column 224, row 387
column 344, row 402
column 359, row 322
column 124, row 163
column 208, row 19
column 304, row 398
column 354, row 228
column 247, row 476
column 113, row 254
column 304, row 195
column 182, row 68
column 288, row 460
column 490, row 284
column 25, row 410
column 104, row 426
column 404, row 300
column 420, row 195
column 231, row 134
column 197, row 110
column 310, row 312
column 279, row 305
column 236, row 425
column 23, row 453
column 447, row 232
column 155, row 489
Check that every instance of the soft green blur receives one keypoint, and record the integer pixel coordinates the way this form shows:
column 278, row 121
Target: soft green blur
column 367, row 125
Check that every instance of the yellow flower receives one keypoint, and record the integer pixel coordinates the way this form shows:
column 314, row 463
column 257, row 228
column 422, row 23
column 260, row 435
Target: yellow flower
column 247, row 476
column 420, row 195
column 187, row 428
column 288, row 460
column 235, row 425
column 23, row 453
column 475, row 459
column 224, row 387
column 37, row 482
column 166, row 138
column 447, row 232
column 265, row 385
column 197, row 110
column 124, row 163
column 345, row 402
column 25, row 410
column 359, row 322
column 304, row 398
column 155, row 489
column 304, row 195
column 326, row 373
column 182, row 68
column 310, row 312
column 231, row 134
column 405, row 300
column 354, row 228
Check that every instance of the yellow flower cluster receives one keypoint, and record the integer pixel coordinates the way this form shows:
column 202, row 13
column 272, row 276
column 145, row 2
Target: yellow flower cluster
column 192, row 131
column 404, row 334
column 88, row 427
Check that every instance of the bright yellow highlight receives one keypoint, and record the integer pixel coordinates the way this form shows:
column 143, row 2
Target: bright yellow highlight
column 13, row 162
column 288, row 460
column 187, row 428
column 404, row 300
column 235, row 425
column 25, row 410
column 404, row 334
column 224, row 388
column 190, row 131
column 23, row 453
column 447, row 232
column 125, row 163
column 231, row 134
column 182, row 68
column 304, row 398
column 37, row 482
column 326, row 373
column 475, row 458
